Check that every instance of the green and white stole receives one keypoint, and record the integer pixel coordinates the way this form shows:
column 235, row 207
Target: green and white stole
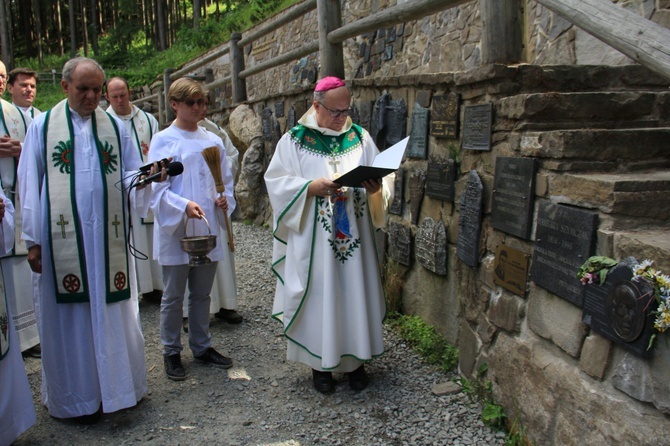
column 66, row 243
column 4, row 322
column 15, row 126
column 142, row 132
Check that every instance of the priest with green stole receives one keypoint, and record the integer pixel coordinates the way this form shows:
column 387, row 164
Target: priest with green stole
column 80, row 162
column 329, row 293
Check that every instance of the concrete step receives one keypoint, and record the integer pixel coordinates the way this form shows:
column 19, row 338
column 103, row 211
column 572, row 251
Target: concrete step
column 597, row 149
column 638, row 194
column 590, row 110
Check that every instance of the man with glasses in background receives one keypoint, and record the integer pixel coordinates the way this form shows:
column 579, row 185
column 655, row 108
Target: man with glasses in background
column 329, row 293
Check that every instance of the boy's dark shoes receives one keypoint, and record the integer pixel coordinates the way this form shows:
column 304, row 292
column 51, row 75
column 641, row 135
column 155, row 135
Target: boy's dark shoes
column 323, row 381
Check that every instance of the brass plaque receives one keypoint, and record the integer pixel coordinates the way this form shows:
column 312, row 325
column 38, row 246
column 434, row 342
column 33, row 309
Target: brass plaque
column 510, row 270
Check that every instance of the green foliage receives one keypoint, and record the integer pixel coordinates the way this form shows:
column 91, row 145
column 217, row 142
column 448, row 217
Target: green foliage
column 423, row 338
column 393, row 285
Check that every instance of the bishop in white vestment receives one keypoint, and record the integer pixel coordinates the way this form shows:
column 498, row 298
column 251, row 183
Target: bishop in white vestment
column 329, row 293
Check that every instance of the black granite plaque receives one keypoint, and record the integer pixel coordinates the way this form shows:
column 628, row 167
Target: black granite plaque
column 398, row 186
column 364, row 113
column 290, row 119
column 300, row 108
column 470, row 220
column 417, row 181
column 390, row 34
column 400, row 243
column 279, row 109
column 620, row 309
column 388, row 52
column 380, row 236
column 444, row 122
column 477, row 127
column 430, row 246
column 510, row 269
column 564, row 240
column 396, row 122
column 268, row 124
column 418, row 141
column 379, row 117
column 440, row 179
column 514, row 195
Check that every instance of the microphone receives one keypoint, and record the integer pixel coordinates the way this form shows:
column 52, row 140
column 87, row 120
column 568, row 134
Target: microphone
column 173, row 169
column 147, row 167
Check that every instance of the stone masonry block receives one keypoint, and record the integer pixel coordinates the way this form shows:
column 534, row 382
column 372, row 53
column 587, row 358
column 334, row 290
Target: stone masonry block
column 595, row 356
column 468, row 348
column 506, row 312
column 556, row 319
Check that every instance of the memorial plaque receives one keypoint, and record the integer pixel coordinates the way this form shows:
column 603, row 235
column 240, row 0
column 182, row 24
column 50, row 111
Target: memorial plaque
column 417, row 180
column 514, row 196
column 279, row 109
column 396, row 122
column 440, row 179
column 510, row 269
column 444, row 122
column 431, row 246
column 388, row 52
column 564, row 240
column 470, row 220
column 268, row 125
column 390, row 34
column 398, row 187
column 364, row 113
column 379, row 117
column 400, row 243
column 418, row 141
column 477, row 127
column 290, row 119
column 300, row 108
column 620, row 309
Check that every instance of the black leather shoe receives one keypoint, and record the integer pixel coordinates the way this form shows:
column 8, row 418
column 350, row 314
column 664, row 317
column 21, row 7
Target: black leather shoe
column 184, row 324
column 230, row 316
column 154, row 296
column 358, row 379
column 215, row 358
column 173, row 368
column 323, row 381
column 90, row 418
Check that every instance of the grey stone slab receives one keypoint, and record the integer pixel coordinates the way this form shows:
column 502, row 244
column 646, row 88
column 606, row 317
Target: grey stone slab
column 398, row 186
column 418, row 141
column 477, row 120
column 470, row 220
column 430, row 246
column 417, row 181
column 400, row 243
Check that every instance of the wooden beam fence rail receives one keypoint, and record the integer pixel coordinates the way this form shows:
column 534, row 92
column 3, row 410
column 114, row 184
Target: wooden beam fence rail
column 638, row 38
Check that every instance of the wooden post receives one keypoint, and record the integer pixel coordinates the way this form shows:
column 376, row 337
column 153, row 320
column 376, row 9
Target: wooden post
column 161, row 109
column 331, row 56
column 501, row 31
column 236, row 67
column 209, row 78
column 169, row 113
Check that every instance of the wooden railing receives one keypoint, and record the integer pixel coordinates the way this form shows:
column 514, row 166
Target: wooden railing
column 640, row 39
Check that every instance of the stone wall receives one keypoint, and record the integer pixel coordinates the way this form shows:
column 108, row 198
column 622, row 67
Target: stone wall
column 598, row 135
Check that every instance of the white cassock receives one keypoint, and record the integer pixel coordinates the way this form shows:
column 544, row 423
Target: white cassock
column 196, row 184
column 146, row 275
column 224, row 289
column 16, row 272
column 17, row 411
column 329, row 293
column 92, row 352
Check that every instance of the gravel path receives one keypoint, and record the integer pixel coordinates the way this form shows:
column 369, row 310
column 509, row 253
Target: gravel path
column 264, row 400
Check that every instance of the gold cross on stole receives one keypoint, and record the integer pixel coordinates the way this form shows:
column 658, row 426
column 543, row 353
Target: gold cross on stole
column 62, row 224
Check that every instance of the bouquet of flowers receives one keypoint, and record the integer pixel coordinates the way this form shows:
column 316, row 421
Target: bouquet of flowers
column 595, row 270
column 660, row 283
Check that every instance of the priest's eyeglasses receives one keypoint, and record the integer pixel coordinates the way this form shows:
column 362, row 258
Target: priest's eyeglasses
column 336, row 113
column 200, row 102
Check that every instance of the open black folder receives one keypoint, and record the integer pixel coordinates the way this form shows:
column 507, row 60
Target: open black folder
column 384, row 163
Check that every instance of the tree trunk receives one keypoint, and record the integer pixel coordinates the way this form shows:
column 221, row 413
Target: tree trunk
column 84, row 27
column 196, row 14
column 38, row 30
column 162, row 28
column 73, row 29
column 94, row 25
column 59, row 29
column 4, row 35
